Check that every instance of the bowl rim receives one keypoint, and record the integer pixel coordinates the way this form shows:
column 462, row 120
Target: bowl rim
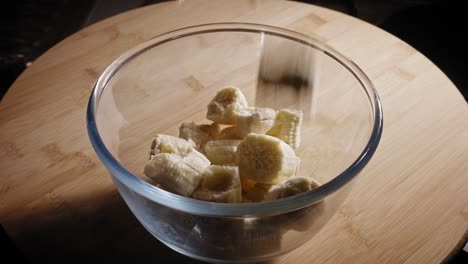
column 199, row 207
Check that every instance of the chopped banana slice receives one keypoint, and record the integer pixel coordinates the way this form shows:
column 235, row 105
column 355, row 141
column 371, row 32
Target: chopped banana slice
column 178, row 174
column 254, row 120
column 169, row 144
column 196, row 160
column 222, row 109
column 266, row 159
column 222, row 152
column 229, row 133
column 291, row 187
column 220, row 184
column 199, row 134
column 288, row 127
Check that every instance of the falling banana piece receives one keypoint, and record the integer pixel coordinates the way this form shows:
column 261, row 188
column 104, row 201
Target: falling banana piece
column 222, row 152
column 178, row 174
column 291, row 187
column 254, row 120
column 220, row 184
column 199, row 134
column 266, row 159
column 222, row 109
column 288, row 127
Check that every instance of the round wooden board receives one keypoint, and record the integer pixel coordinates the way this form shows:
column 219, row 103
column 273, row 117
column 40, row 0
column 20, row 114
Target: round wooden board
column 410, row 204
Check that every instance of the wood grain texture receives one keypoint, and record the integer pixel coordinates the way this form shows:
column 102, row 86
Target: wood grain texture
column 409, row 205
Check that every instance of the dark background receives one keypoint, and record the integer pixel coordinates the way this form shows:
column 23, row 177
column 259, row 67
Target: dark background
column 28, row 28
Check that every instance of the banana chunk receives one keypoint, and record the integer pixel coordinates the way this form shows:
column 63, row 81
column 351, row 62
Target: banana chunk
column 220, row 184
column 222, row 109
column 291, row 187
column 169, row 144
column 254, row 120
column 175, row 173
column 288, row 127
column 266, row 159
column 199, row 134
column 229, row 133
column 222, row 152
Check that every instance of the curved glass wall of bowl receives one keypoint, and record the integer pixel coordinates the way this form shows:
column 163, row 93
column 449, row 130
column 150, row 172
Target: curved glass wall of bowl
column 170, row 79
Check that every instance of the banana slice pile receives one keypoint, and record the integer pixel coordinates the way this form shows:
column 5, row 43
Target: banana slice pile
column 245, row 155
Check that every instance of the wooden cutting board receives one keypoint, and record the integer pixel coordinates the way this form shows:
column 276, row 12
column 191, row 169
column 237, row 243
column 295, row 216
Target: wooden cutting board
column 410, row 203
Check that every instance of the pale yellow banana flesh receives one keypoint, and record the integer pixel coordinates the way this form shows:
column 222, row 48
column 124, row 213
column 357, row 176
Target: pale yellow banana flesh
column 288, row 127
column 224, row 106
column 176, row 173
column 169, row 144
column 266, row 159
column 220, row 184
column 291, row 187
column 199, row 134
column 254, row 120
column 222, row 152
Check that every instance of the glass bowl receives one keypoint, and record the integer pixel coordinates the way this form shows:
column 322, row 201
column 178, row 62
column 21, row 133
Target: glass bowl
column 170, row 79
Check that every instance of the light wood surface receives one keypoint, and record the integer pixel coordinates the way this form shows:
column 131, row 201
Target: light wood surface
column 409, row 205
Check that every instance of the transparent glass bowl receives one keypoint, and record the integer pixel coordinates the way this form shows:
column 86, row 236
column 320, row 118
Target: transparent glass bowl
column 170, row 79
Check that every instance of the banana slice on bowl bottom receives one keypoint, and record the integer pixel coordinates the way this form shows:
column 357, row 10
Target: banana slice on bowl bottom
column 308, row 219
column 291, row 187
column 261, row 192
